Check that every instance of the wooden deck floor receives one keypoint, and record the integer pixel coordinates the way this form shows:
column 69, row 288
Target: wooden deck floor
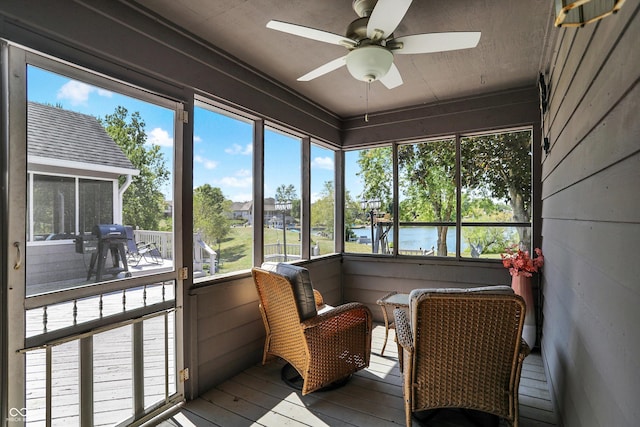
column 373, row 397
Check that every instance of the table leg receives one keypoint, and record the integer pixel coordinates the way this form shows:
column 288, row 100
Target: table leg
column 386, row 328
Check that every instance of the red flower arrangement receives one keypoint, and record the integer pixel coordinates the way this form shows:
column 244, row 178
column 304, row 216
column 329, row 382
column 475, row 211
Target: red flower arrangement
column 520, row 262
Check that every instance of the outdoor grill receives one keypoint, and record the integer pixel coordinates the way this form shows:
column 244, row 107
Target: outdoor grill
column 112, row 239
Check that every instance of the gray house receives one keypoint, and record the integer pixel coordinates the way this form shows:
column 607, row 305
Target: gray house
column 73, row 171
column 576, row 88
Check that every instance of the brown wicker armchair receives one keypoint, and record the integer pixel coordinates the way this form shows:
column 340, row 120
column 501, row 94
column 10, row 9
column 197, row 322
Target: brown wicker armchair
column 462, row 349
column 323, row 347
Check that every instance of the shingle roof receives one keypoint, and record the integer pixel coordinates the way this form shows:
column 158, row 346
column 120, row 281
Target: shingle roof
column 66, row 135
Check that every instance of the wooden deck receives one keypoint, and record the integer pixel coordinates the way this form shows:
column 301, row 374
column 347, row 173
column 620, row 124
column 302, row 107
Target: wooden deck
column 373, row 397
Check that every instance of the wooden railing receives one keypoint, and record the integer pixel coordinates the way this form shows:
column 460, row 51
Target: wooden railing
column 202, row 252
column 276, row 252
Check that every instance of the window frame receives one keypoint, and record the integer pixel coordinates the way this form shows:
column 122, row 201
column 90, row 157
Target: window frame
column 77, row 202
column 459, row 223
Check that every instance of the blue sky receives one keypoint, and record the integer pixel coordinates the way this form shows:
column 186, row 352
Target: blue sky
column 222, row 145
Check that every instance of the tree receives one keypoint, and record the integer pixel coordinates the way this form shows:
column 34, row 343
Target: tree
column 376, row 170
column 143, row 200
column 427, row 172
column 211, row 213
column 288, row 193
column 501, row 164
column 322, row 210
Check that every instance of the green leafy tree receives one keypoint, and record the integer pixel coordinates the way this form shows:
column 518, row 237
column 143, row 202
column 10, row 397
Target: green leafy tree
column 143, row 200
column 352, row 213
column 211, row 213
column 288, row 193
column 376, row 170
column 427, row 172
column 501, row 165
column 322, row 210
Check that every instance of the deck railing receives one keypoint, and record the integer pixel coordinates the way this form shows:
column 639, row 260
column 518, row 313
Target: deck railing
column 277, row 252
column 202, row 252
column 80, row 347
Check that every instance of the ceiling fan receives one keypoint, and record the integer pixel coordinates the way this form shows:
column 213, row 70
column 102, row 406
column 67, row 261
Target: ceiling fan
column 371, row 42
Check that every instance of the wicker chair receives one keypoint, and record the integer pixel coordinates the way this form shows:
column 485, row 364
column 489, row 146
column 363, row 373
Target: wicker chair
column 324, row 347
column 462, row 349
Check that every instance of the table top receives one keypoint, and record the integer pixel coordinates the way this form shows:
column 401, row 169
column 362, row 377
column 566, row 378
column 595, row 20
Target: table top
column 395, row 299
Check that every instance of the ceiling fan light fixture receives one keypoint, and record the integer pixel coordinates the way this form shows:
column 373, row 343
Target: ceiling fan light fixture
column 369, row 63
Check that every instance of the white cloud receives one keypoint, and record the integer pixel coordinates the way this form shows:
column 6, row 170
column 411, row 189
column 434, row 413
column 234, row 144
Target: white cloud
column 197, row 139
column 160, row 137
column 105, row 93
column 241, row 197
column 78, row 93
column 322, row 163
column 208, row 164
column 237, row 149
column 232, row 181
column 243, row 172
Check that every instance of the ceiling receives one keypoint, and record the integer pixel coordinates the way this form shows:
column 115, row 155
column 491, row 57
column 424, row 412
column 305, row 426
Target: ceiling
column 515, row 38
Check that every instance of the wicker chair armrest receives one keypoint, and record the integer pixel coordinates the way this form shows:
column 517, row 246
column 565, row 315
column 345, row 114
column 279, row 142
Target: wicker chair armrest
column 403, row 330
column 350, row 309
column 524, row 350
column 318, row 297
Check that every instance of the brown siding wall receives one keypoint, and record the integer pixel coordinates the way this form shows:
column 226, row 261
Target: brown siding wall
column 591, row 222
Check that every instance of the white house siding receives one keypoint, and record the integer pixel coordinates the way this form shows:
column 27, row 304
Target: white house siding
column 591, row 222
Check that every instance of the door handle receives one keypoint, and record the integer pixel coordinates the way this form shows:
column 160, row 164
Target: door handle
column 18, row 263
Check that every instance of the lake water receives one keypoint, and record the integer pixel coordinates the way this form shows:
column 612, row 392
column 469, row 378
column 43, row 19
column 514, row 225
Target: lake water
column 415, row 238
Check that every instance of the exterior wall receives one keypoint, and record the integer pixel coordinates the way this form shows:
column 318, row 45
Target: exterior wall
column 53, row 262
column 230, row 333
column 591, row 222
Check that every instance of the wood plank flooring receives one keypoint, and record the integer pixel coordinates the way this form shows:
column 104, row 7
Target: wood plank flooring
column 373, row 397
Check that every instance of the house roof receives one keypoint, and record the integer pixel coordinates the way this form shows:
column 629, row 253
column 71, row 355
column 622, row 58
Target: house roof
column 58, row 137
column 241, row 206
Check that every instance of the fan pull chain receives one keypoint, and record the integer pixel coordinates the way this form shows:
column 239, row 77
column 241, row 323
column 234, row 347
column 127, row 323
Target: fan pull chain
column 366, row 110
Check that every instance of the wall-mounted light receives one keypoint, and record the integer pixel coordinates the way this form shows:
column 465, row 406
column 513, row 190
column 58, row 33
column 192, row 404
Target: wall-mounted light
column 544, row 95
column 546, row 145
column 578, row 13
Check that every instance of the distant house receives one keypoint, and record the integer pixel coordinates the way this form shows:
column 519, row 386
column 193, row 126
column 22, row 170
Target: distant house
column 168, row 208
column 73, row 168
column 242, row 211
column 272, row 217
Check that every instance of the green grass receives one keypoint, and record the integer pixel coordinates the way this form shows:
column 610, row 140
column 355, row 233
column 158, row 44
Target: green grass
column 236, row 249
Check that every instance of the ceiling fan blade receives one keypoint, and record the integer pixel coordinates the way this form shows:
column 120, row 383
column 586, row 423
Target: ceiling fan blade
column 392, row 78
column 435, row 42
column 324, row 69
column 386, row 17
column 311, row 33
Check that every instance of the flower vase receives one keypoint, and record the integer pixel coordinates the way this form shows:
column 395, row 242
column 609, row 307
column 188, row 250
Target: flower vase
column 521, row 285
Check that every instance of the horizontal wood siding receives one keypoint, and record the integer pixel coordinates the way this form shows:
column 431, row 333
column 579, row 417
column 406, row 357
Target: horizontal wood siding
column 229, row 329
column 366, row 279
column 49, row 263
column 591, row 222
